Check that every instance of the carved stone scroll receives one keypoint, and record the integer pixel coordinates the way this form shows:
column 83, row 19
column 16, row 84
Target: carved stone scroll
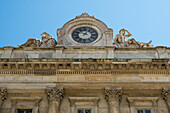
column 113, row 96
column 55, row 96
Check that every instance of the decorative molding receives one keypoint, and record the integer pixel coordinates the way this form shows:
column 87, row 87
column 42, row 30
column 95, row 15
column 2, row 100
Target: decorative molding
column 147, row 103
column 113, row 94
column 84, row 66
column 89, row 102
column 55, row 93
column 25, row 103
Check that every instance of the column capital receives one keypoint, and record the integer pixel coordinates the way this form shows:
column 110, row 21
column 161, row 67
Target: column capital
column 55, row 93
column 3, row 94
column 113, row 93
column 165, row 92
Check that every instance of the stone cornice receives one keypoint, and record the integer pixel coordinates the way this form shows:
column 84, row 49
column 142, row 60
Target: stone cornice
column 96, row 47
column 84, row 66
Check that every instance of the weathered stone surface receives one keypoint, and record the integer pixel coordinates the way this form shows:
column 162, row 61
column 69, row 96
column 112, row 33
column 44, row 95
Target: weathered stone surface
column 65, row 76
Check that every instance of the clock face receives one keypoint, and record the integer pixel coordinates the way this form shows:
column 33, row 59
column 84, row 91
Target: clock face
column 84, row 35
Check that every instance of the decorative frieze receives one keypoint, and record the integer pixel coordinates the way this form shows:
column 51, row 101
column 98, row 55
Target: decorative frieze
column 84, row 66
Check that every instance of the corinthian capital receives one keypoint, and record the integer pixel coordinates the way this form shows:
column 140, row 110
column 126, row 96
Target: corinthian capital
column 165, row 92
column 3, row 95
column 55, row 93
column 113, row 93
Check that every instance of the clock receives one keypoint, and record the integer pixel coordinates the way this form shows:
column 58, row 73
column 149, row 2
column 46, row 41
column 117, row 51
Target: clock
column 84, row 35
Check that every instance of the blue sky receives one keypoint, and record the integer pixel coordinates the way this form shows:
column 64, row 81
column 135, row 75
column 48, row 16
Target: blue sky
column 145, row 19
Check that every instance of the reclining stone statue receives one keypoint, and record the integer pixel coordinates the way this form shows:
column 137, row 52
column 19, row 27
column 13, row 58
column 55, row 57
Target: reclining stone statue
column 119, row 41
column 47, row 41
column 31, row 42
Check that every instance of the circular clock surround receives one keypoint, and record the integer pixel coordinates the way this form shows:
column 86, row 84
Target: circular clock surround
column 84, row 35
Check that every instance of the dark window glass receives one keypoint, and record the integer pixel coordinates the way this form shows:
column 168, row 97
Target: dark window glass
column 84, row 111
column 144, row 111
column 24, row 110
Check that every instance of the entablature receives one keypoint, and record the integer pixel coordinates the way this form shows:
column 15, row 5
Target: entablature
column 84, row 66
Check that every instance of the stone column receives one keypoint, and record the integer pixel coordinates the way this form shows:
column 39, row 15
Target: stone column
column 3, row 95
column 113, row 97
column 166, row 97
column 54, row 96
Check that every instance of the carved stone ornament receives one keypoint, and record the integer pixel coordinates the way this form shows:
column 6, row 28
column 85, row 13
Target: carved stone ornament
column 84, row 15
column 113, row 94
column 119, row 41
column 3, row 94
column 47, row 42
column 55, row 93
column 165, row 93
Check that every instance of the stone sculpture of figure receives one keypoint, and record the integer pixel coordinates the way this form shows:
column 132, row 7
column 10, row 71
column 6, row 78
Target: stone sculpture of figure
column 32, row 42
column 119, row 41
column 47, row 40
column 120, row 38
column 140, row 44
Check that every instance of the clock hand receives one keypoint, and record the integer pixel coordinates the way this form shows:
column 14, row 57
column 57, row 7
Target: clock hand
column 85, row 33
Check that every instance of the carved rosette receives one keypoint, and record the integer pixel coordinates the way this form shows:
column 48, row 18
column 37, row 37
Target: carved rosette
column 55, row 93
column 165, row 93
column 113, row 94
column 3, row 94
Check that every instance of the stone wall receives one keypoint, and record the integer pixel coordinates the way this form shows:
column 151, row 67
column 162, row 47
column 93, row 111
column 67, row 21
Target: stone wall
column 88, row 52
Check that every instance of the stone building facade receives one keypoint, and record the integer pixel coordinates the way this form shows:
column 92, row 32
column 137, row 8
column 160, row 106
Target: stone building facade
column 85, row 72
